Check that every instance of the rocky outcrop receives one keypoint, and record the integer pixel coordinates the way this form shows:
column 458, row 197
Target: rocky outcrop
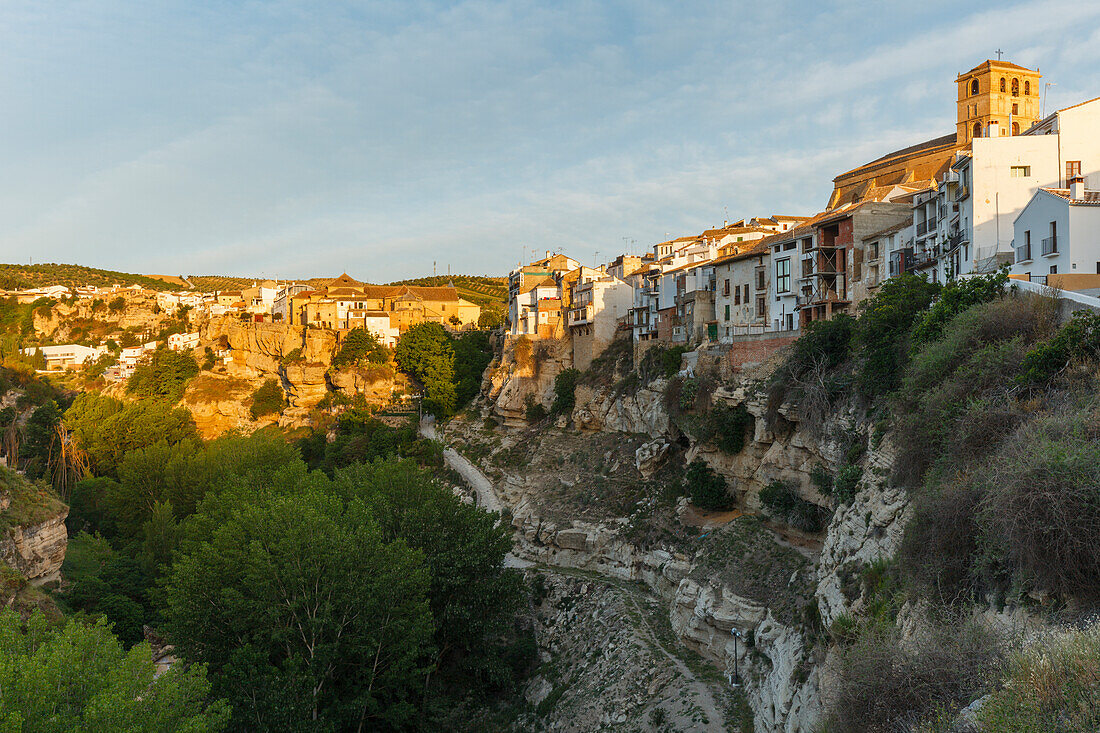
column 525, row 370
column 642, row 411
column 140, row 311
column 219, row 404
column 36, row 550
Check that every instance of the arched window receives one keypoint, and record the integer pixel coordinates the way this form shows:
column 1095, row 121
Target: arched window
column 1015, row 128
column 974, row 87
column 1027, row 88
column 1002, row 83
column 977, row 129
column 1015, row 87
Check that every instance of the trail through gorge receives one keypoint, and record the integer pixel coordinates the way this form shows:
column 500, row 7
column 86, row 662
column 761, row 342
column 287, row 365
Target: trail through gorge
column 488, row 500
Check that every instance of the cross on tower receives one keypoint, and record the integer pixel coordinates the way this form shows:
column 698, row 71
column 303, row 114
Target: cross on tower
column 999, row 52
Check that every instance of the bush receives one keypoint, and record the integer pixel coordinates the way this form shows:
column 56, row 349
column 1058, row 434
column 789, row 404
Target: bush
column 781, row 500
column 847, row 483
column 882, row 331
column 955, row 297
column 1078, row 339
column 822, row 479
column 1041, row 505
column 884, row 685
column 729, row 425
column 267, row 399
column 534, row 411
column 938, row 552
column 163, row 376
column 706, row 488
column 117, row 304
column 565, row 385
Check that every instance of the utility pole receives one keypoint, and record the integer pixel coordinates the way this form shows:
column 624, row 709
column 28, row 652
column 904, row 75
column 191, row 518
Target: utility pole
column 736, row 634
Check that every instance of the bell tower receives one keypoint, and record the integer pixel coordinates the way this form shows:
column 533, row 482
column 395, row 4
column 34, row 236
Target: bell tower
column 996, row 98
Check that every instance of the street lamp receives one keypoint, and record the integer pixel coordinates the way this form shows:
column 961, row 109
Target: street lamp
column 736, row 634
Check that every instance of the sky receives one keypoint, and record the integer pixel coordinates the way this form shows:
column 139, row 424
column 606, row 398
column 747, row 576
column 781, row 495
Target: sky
column 395, row 138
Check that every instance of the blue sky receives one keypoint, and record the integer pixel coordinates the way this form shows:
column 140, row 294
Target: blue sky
column 290, row 138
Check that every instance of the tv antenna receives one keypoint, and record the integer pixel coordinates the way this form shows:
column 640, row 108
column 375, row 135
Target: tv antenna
column 1043, row 111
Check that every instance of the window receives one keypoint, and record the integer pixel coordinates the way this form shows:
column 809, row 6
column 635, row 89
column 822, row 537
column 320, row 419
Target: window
column 761, row 307
column 727, row 312
column 726, row 288
column 973, row 87
column 1015, row 87
column 1015, row 108
column 760, row 278
column 872, row 251
column 745, row 294
column 788, row 246
column 977, row 127
column 1002, row 83
column 737, row 295
column 1027, row 88
column 1073, row 169
column 790, row 316
column 783, row 275
column 1020, row 171
column 1054, row 269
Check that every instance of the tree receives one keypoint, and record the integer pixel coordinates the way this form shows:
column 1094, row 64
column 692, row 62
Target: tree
column 707, row 489
column 473, row 597
column 426, row 353
column 360, row 344
column 322, row 608
column 79, row 678
column 267, row 399
column 472, row 355
column 163, row 376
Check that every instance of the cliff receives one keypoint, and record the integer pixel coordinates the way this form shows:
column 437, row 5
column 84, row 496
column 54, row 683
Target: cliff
column 33, row 537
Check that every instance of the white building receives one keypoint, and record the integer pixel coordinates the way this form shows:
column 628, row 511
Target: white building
column 67, row 356
column 1058, row 233
column 183, row 341
column 597, row 305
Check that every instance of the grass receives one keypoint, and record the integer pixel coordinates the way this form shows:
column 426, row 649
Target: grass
column 1054, row 685
column 206, row 387
column 30, row 504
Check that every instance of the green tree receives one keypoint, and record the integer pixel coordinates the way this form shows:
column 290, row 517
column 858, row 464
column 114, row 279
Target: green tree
column 473, row 597
column 882, row 330
column 163, row 376
column 79, row 678
column 565, row 385
column 107, row 429
column 304, row 593
column 360, row 344
column 426, row 353
column 708, row 490
column 268, row 399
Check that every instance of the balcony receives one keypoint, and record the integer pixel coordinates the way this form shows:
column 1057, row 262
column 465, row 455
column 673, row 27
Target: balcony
column 580, row 316
column 957, row 238
column 1050, row 246
column 922, row 228
column 1023, row 253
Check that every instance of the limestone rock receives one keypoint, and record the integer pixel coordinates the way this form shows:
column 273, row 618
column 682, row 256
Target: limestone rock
column 36, row 550
column 649, row 456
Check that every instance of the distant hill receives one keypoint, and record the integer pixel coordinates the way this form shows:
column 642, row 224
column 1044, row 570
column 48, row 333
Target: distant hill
column 19, row 277
column 474, row 288
column 210, row 283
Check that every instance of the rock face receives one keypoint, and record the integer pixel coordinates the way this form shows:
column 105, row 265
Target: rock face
column 526, row 370
column 36, row 550
column 219, row 404
column 640, row 412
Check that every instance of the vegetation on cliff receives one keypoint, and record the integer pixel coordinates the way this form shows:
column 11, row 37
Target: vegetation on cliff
column 19, row 277
column 449, row 368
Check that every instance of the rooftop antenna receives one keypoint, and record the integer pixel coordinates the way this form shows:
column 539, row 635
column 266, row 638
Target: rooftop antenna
column 1043, row 111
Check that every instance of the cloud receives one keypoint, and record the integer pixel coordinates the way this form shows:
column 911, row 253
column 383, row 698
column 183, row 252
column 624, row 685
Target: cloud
column 295, row 139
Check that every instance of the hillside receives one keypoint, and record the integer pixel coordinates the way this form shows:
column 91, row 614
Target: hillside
column 474, row 288
column 18, row 277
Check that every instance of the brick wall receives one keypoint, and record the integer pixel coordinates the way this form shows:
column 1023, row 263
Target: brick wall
column 750, row 350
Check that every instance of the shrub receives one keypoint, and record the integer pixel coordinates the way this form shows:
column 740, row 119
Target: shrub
column 267, row 399
column 884, row 685
column 937, row 556
column 847, row 483
column 707, row 489
column 781, row 500
column 1078, row 339
column 117, row 304
column 729, row 425
column 163, row 376
column 883, row 330
column 1041, row 506
column 292, row 356
column 533, row 410
column 822, row 479
column 955, row 297
column 565, row 385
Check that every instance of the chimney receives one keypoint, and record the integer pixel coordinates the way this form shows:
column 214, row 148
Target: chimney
column 993, row 129
column 547, row 254
column 1076, row 188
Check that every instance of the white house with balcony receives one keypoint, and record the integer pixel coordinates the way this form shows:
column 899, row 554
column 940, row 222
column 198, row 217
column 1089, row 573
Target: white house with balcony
column 593, row 316
column 1058, row 233
column 67, row 356
column 183, row 341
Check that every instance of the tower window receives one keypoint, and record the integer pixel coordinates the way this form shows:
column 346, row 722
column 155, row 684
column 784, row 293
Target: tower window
column 974, row 87
column 1015, row 128
column 977, row 129
column 1027, row 88
column 1015, row 108
column 1015, row 87
column 1002, row 83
